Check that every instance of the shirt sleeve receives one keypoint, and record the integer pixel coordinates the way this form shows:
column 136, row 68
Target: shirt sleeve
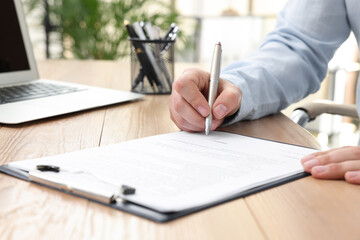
column 293, row 59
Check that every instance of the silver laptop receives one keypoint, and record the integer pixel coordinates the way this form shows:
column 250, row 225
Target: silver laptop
column 23, row 96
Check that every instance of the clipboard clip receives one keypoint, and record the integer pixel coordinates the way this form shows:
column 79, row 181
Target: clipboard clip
column 104, row 197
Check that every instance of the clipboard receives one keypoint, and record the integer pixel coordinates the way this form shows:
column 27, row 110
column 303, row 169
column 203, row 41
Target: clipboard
column 155, row 213
column 151, row 214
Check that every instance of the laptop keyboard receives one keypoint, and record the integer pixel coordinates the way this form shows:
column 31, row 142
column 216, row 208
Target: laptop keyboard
column 33, row 91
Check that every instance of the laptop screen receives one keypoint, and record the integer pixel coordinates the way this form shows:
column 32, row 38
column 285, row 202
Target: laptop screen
column 12, row 49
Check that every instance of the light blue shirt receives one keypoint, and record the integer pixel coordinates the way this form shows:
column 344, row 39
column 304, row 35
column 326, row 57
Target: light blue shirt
column 293, row 60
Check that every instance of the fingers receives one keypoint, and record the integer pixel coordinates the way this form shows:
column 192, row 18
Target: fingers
column 331, row 156
column 323, row 153
column 184, row 115
column 190, row 86
column 228, row 101
column 189, row 107
column 353, row 177
column 335, row 171
column 183, row 124
column 338, row 163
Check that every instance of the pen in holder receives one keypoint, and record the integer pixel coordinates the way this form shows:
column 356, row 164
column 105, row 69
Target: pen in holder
column 152, row 66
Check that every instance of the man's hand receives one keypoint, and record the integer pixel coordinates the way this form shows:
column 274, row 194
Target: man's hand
column 337, row 163
column 188, row 101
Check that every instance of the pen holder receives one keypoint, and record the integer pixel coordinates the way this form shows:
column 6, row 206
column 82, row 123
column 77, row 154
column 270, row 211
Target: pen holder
column 152, row 66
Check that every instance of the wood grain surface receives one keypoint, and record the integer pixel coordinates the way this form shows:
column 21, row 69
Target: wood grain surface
column 303, row 209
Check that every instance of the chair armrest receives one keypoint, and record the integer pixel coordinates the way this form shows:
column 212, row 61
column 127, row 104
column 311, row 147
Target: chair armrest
column 316, row 108
column 309, row 111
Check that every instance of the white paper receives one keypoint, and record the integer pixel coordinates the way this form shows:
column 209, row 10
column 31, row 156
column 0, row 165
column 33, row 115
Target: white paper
column 178, row 171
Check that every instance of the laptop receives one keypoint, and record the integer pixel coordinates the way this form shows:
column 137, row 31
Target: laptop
column 23, row 96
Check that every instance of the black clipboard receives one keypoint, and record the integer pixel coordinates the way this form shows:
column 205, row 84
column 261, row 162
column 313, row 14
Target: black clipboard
column 153, row 214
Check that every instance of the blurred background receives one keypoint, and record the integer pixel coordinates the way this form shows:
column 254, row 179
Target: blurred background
column 93, row 29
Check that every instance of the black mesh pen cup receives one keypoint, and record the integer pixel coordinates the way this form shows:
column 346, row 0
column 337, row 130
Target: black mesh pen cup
column 152, row 66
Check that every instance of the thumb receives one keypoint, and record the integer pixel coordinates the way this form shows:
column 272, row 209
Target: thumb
column 228, row 100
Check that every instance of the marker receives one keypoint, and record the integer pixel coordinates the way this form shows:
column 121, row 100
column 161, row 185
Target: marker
column 214, row 82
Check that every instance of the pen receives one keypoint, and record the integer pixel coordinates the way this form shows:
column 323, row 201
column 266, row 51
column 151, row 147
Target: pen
column 152, row 65
column 168, row 33
column 171, row 37
column 214, row 81
column 142, row 56
column 154, row 34
column 139, row 78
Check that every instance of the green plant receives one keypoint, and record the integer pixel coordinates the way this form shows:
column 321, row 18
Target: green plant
column 93, row 29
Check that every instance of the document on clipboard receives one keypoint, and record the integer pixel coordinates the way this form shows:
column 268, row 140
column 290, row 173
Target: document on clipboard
column 174, row 174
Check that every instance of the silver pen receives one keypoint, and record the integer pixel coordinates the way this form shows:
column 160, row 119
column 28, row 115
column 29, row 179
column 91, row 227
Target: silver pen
column 214, row 81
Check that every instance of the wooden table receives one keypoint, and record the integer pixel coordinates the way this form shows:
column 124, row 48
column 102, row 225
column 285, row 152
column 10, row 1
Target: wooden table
column 303, row 209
